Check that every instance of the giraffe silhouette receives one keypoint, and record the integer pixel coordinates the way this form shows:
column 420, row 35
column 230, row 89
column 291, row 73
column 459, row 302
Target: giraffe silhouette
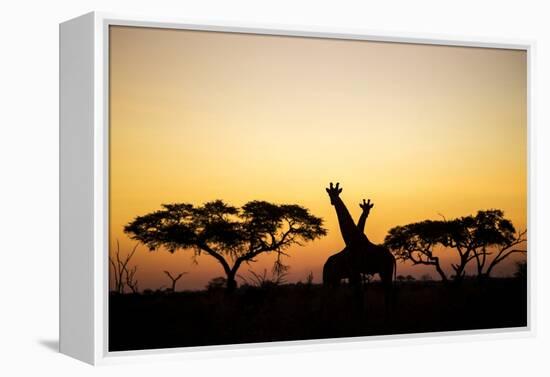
column 360, row 255
column 338, row 266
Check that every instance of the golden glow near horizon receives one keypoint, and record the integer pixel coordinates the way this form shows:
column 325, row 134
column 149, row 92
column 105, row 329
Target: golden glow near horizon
column 422, row 130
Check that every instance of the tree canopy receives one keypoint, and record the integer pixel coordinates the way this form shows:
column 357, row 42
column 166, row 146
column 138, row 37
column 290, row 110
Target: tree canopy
column 472, row 237
column 230, row 234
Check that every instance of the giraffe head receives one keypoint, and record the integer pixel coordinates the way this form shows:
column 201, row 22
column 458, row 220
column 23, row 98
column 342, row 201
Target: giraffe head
column 366, row 206
column 333, row 192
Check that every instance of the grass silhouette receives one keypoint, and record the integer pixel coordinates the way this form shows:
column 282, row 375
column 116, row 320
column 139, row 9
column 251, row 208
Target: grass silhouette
column 309, row 311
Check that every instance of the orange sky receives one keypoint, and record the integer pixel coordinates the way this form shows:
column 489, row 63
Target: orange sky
column 421, row 130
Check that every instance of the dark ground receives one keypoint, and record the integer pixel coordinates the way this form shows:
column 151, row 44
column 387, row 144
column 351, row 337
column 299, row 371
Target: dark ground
column 299, row 312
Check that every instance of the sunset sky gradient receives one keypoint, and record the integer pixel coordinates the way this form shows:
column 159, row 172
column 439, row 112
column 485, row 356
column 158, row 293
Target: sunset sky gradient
column 421, row 130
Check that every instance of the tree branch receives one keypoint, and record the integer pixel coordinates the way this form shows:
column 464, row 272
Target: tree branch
column 503, row 254
column 214, row 254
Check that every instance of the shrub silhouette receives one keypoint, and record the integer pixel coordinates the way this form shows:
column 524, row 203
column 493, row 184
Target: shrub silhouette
column 216, row 283
column 174, row 279
column 123, row 275
column 262, row 280
column 521, row 270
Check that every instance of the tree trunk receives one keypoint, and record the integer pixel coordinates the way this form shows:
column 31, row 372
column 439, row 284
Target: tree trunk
column 440, row 272
column 489, row 270
column 231, row 283
column 482, row 277
column 459, row 272
column 459, row 276
column 439, row 269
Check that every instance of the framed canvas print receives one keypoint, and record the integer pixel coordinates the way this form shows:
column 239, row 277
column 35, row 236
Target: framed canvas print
column 229, row 187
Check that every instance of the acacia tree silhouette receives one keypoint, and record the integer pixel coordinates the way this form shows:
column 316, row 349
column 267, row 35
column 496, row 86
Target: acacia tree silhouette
column 229, row 234
column 473, row 237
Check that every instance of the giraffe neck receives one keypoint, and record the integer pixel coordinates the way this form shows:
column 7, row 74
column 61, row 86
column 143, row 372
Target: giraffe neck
column 361, row 225
column 361, row 222
column 350, row 233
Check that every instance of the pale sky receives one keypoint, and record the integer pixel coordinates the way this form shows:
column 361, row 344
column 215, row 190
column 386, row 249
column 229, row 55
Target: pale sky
column 420, row 130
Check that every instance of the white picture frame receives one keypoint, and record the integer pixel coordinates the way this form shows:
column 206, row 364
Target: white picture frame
column 84, row 140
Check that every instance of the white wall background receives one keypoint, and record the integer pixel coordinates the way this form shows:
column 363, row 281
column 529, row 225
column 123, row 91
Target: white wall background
column 29, row 186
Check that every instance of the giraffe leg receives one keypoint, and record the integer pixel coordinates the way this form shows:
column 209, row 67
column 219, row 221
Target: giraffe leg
column 387, row 283
column 357, row 299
